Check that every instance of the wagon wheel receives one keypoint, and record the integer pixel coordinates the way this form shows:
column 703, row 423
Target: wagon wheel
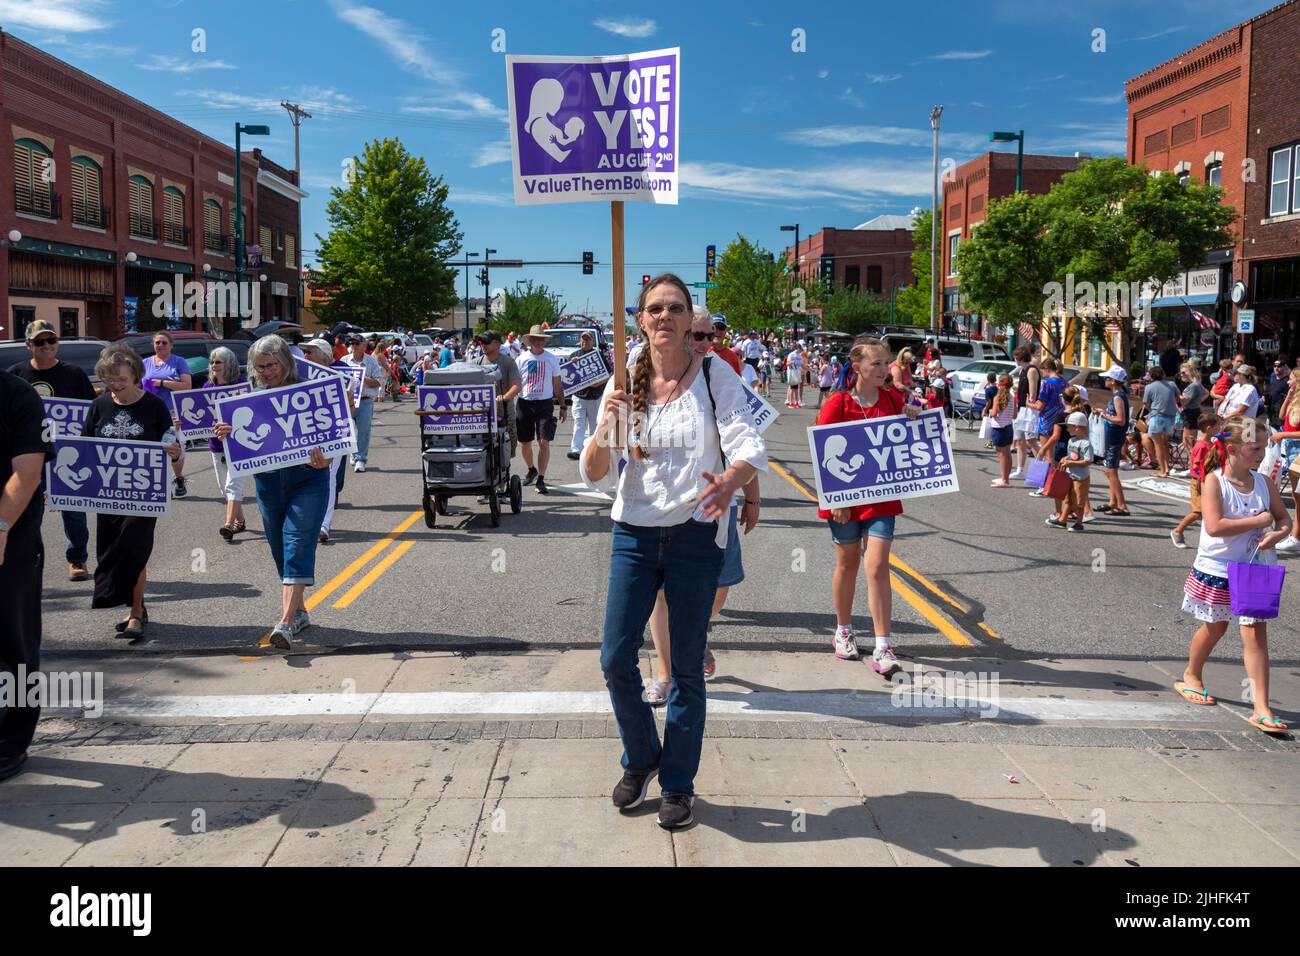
column 494, row 503
column 440, row 502
column 516, row 494
column 428, row 510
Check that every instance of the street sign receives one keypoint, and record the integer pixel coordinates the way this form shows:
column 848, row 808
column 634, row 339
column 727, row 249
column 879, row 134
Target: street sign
column 710, row 262
column 506, row 263
column 1245, row 321
column 1266, row 345
column 704, row 285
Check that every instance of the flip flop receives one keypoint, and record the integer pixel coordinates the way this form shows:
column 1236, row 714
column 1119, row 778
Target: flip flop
column 1270, row 724
column 1119, row 513
column 1193, row 695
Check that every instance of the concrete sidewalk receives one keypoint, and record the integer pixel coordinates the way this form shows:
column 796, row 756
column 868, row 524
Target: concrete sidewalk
column 454, row 759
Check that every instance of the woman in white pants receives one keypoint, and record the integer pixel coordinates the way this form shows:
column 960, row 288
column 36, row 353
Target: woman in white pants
column 223, row 369
column 319, row 351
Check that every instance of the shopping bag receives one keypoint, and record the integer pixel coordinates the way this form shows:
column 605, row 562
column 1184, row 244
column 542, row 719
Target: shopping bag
column 1255, row 590
column 986, row 428
column 1038, row 472
column 1057, row 484
column 1271, row 466
column 1097, row 434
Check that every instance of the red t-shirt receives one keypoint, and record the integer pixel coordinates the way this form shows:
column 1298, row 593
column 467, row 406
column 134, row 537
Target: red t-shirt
column 1196, row 464
column 843, row 407
column 728, row 356
column 1222, row 385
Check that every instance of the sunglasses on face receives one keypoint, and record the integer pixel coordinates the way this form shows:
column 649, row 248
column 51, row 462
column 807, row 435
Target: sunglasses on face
column 703, row 336
column 44, row 342
column 675, row 310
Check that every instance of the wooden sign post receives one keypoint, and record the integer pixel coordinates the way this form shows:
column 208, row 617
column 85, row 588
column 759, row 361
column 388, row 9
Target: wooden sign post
column 620, row 317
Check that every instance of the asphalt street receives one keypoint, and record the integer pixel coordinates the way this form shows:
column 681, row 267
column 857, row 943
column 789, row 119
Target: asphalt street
column 976, row 570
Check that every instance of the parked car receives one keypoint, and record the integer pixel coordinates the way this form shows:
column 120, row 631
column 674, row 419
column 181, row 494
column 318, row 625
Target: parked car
column 195, row 348
column 957, row 351
column 968, row 382
column 81, row 352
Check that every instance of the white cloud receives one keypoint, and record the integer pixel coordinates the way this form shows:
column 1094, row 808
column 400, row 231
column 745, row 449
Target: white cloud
column 491, row 154
column 841, row 182
column 318, row 181
column 172, row 64
column 848, row 96
column 822, row 74
column 883, row 77
column 627, row 27
column 977, row 104
column 1111, row 99
column 73, row 16
column 1158, row 33
column 882, row 135
column 961, row 55
column 310, row 98
column 471, row 197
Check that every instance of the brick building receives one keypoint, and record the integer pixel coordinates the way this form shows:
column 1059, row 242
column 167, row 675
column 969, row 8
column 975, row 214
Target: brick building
column 111, row 197
column 1225, row 112
column 967, row 192
column 875, row 256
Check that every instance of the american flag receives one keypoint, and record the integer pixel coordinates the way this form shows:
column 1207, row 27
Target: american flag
column 1204, row 321
column 1026, row 331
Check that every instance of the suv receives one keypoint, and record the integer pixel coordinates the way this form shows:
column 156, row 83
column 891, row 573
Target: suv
column 565, row 340
column 957, row 351
column 81, row 352
column 194, row 348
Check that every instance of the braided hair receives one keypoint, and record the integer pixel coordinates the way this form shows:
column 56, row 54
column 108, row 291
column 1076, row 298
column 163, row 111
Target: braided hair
column 644, row 367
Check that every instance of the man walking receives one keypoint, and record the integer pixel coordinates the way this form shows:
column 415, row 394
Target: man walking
column 586, row 403
column 358, row 357
column 53, row 378
column 508, row 388
column 720, row 343
column 751, row 350
column 23, row 454
column 540, row 394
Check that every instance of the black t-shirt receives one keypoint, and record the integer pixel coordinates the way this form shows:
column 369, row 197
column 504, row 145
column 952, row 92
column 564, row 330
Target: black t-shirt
column 59, row 381
column 146, row 419
column 21, row 424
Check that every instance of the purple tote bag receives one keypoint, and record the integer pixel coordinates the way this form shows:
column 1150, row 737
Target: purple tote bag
column 1038, row 472
column 1255, row 590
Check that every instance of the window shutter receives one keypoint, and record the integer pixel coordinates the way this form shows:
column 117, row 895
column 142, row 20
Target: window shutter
column 94, row 186
column 211, row 217
column 22, row 168
column 173, row 206
column 290, row 252
column 264, row 238
column 141, row 198
column 78, row 184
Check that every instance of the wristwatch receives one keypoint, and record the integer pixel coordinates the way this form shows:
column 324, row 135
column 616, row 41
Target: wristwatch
column 4, row 526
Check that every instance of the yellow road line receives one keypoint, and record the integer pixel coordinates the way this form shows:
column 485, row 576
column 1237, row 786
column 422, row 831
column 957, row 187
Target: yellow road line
column 341, row 578
column 923, row 607
column 924, row 581
column 374, row 574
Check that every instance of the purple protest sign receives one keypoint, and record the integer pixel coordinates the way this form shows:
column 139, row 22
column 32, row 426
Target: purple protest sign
column 313, row 372
column 109, row 475
column 355, row 373
column 196, row 408
column 595, row 128
column 881, row 459
column 761, row 410
column 65, row 416
column 471, row 407
column 278, row 427
column 582, row 370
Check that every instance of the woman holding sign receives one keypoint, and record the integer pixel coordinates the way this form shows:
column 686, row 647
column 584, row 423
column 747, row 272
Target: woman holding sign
column 865, row 529
column 292, row 499
column 223, row 369
column 163, row 373
column 124, row 543
column 694, row 446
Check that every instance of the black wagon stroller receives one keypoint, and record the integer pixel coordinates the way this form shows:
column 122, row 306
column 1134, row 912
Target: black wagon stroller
column 463, row 451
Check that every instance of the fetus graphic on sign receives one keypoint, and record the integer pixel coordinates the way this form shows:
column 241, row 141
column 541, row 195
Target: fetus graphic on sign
column 64, row 464
column 253, row 439
column 845, row 471
column 543, row 103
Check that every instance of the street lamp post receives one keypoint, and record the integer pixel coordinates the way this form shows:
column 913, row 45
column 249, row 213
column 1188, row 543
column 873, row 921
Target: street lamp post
column 239, row 212
column 934, row 219
column 794, row 274
column 467, row 255
column 1019, row 139
column 487, row 287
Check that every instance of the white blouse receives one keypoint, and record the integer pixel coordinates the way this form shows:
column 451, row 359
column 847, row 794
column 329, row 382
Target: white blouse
column 1243, row 393
column 683, row 440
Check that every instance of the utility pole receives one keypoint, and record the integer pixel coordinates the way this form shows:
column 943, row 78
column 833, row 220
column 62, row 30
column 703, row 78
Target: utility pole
column 935, row 287
column 297, row 114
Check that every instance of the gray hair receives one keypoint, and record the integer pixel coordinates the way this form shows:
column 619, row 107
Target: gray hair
column 229, row 363
column 118, row 356
column 278, row 349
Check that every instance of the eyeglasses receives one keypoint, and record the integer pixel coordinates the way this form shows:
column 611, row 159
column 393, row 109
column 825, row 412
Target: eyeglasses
column 42, row 342
column 265, row 367
column 675, row 310
column 701, row 336
column 216, row 362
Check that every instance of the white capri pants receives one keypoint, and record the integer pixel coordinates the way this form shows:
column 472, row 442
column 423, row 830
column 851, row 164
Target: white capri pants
column 231, row 484
column 333, row 498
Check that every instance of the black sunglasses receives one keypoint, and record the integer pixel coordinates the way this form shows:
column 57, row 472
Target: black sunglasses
column 45, row 340
column 701, row 336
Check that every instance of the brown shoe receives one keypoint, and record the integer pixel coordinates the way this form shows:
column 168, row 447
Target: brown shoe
column 77, row 571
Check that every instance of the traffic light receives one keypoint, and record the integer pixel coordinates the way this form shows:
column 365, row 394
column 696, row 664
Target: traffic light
column 588, row 263
column 645, row 280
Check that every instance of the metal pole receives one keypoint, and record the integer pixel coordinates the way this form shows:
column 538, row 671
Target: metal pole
column 467, row 300
column 934, row 221
column 1020, row 157
column 239, row 234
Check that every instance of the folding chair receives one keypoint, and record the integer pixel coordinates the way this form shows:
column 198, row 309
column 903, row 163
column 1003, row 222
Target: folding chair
column 973, row 412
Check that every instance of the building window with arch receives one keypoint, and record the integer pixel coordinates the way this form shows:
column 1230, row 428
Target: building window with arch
column 213, row 239
column 1214, row 174
column 34, row 180
column 86, row 183
column 174, row 231
column 143, row 224
column 1284, row 180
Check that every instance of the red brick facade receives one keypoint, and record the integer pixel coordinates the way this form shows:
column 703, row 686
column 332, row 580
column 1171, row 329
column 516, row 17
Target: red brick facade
column 874, row 260
column 71, row 264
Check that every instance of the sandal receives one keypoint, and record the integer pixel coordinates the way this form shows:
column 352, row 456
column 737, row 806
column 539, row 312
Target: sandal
column 1269, row 724
column 656, row 695
column 239, row 526
column 1106, row 509
column 1119, row 513
column 120, row 626
column 1192, row 694
column 227, row 531
column 130, row 633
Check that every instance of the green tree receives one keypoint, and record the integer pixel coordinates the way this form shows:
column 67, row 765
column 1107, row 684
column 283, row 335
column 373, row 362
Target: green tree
column 912, row 305
column 526, row 307
column 391, row 235
column 844, row 309
column 752, row 290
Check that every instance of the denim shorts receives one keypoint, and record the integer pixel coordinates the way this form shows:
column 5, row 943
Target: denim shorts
column 1160, row 425
column 852, row 532
column 733, row 572
column 1002, row 436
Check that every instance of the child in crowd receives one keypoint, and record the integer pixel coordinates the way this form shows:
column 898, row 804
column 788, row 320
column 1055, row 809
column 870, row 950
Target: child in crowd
column 1056, row 438
column 1244, row 518
column 864, row 529
column 1208, row 424
column 1002, row 409
column 990, row 391
column 1116, row 416
column 1077, row 464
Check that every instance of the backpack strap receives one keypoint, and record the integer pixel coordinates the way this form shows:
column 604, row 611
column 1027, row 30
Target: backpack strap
column 708, row 387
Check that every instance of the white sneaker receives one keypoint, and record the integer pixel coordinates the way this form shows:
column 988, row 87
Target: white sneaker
column 1289, row 546
column 1185, row 473
column 884, row 662
column 1127, row 466
column 359, row 467
column 1018, row 473
column 846, row 648
column 1177, row 539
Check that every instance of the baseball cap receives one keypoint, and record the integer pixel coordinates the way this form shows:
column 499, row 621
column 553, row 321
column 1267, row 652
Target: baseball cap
column 1117, row 373
column 1077, row 418
column 719, row 322
column 40, row 326
column 319, row 345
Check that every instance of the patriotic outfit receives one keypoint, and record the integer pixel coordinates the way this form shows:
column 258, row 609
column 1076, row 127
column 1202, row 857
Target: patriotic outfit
column 1205, row 592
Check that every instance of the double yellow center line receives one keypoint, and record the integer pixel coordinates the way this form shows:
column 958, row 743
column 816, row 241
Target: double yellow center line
column 902, row 588
column 374, row 574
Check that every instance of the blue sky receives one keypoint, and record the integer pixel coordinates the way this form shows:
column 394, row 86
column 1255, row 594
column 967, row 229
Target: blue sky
column 831, row 136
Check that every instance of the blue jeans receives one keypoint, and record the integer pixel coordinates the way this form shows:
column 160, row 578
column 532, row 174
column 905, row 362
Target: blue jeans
column 78, row 533
column 364, row 418
column 685, row 562
column 292, row 501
